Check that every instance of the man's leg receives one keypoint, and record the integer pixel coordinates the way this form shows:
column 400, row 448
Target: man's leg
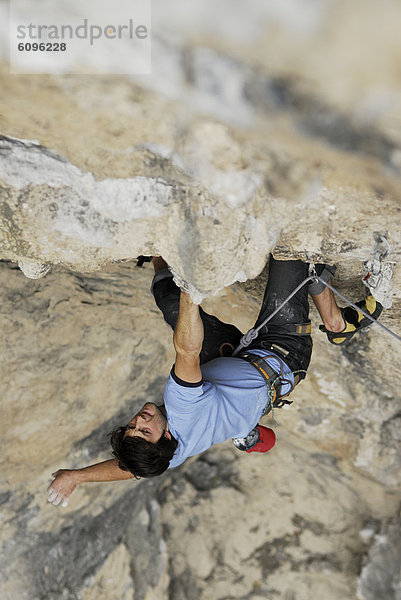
column 280, row 334
column 341, row 324
column 220, row 338
column 165, row 292
column 284, row 277
column 328, row 310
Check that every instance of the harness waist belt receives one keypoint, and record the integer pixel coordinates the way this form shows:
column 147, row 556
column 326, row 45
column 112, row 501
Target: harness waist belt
column 271, row 377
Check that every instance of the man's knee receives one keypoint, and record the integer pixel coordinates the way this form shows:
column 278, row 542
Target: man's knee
column 160, row 276
column 325, row 272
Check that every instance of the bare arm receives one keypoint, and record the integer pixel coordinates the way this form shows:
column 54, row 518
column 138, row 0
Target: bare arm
column 188, row 339
column 66, row 480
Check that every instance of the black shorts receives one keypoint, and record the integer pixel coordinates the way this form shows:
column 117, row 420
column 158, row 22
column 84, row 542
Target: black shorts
column 284, row 277
column 221, row 339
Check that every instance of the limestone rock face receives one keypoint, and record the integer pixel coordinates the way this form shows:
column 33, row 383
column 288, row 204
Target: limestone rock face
column 54, row 213
column 80, row 354
column 264, row 126
column 244, row 159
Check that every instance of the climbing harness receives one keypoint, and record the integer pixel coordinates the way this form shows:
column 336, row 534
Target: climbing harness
column 275, row 399
column 270, row 375
column 273, row 378
column 251, row 439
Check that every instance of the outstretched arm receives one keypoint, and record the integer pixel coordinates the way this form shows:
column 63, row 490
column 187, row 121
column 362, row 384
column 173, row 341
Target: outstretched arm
column 188, row 339
column 66, row 480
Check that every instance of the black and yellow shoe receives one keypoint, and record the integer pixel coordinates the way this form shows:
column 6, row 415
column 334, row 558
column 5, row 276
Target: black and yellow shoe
column 371, row 306
column 354, row 320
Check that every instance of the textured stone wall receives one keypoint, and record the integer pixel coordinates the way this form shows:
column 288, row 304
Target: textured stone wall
column 264, row 126
column 245, row 156
column 78, row 358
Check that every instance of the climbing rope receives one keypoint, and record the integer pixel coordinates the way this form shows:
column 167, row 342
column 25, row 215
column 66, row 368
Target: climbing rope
column 252, row 334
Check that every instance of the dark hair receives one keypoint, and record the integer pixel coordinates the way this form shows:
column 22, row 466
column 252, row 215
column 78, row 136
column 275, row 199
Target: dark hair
column 140, row 457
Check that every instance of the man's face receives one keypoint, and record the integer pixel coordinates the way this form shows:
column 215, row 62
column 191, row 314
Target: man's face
column 149, row 423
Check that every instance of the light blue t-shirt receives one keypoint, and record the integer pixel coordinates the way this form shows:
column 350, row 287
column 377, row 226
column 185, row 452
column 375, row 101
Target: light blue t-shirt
column 227, row 403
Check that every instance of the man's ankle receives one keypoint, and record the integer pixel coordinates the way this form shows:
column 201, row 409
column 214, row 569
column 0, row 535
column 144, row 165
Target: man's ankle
column 335, row 324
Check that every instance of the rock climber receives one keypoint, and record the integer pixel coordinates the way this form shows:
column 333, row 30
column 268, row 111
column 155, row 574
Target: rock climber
column 210, row 395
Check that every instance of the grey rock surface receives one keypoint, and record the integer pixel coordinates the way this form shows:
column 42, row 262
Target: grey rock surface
column 297, row 168
column 76, row 362
column 381, row 573
column 264, row 126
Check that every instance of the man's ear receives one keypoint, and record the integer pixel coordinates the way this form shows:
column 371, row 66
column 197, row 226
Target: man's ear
column 167, row 434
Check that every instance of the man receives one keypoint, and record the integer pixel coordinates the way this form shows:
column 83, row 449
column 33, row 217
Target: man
column 211, row 396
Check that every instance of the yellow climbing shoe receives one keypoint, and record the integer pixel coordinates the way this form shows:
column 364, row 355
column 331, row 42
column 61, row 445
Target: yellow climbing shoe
column 354, row 320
